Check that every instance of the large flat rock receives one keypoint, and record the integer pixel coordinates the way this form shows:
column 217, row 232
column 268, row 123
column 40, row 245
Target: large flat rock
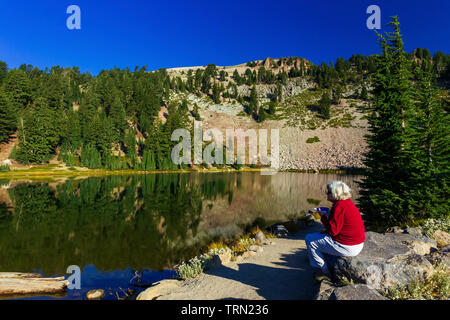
column 388, row 259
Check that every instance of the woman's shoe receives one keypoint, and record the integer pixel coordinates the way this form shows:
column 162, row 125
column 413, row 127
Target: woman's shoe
column 319, row 276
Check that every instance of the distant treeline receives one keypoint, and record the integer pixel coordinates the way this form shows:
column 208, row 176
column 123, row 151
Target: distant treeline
column 111, row 120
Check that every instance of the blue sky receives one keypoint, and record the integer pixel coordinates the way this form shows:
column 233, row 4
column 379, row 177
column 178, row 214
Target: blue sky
column 194, row 32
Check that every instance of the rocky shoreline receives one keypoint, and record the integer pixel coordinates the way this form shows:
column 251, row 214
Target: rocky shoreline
column 389, row 260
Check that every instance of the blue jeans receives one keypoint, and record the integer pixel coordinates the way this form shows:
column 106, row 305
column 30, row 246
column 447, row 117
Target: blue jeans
column 319, row 244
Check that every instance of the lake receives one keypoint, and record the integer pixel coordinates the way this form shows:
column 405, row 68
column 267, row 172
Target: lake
column 113, row 226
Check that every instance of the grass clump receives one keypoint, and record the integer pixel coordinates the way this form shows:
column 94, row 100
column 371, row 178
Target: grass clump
column 4, row 168
column 242, row 244
column 435, row 287
column 312, row 140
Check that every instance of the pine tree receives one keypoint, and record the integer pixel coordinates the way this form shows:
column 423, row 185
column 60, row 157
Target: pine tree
column 17, row 87
column 3, row 71
column 261, row 115
column 364, row 94
column 253, row 102
column 383, row 188
column 39, row 133
column 118, row 119
column 130, row 143
column 337, row 95
column 325, row 104
column 427, row 150
column 216, row 93
column 7, row 118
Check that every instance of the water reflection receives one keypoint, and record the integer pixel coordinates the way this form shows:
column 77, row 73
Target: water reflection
column 142, row 222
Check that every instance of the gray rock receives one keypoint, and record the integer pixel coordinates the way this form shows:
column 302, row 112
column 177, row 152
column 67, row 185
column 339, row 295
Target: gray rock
column 260, row 237
column 386, row 260
column 413, row 231
column 442, row 238
column 256, row 248
column 158, row 289
column 220, row 259
column 326, row 288
column 395, row 230
column 356, row 292
column 280, row 231
column 440, row 257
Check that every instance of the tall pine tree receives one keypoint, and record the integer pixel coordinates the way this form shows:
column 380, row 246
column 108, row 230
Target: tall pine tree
column 384, row 187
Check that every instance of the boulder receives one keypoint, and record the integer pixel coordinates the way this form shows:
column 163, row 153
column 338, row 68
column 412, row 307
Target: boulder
column 413, row 231
column 356, row 292
column 261, row 238
column 386, row 260
column 440, row 257
column 221, row 259
column 419, row 243
column 158, row 289
column 247, row 254
column 326, row 288
column 95, row 294
column 255, row 248
column 280, row 231
column 442, row 238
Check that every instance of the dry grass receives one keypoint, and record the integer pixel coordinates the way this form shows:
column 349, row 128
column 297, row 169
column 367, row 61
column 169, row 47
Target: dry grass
column 435, row 287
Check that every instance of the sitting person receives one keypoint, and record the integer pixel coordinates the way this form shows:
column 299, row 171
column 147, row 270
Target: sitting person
column 344, row 230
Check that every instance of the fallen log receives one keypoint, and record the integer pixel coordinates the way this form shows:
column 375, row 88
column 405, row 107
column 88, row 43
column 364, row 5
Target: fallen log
column 15, row 283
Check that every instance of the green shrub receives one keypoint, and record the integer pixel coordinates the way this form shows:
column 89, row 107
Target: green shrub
column 431, row 225
column 13, row 153
column 4, row 168
column 191, row 269
column 312, row 140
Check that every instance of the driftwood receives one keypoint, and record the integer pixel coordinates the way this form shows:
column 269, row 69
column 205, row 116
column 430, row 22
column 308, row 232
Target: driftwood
column 15, row 283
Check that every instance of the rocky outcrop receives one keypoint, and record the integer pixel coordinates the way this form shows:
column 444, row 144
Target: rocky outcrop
column 442, row 238
column 440, row 257
column 388, row 259
column 13, row 283
column 355, row 292
column 220, row 259
column 158, row 289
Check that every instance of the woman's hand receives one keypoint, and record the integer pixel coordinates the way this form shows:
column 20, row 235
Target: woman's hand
column 320, row 212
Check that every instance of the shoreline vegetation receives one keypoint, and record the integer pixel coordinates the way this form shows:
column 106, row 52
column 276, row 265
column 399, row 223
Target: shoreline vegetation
column 43, row 172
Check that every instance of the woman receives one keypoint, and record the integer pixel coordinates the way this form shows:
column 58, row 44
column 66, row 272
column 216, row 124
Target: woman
column 344, row 230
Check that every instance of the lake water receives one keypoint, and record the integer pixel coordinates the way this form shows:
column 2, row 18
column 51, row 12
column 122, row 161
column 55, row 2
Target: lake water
column 113, row 226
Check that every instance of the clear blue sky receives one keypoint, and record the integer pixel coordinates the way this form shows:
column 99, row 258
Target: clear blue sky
column 193, row 32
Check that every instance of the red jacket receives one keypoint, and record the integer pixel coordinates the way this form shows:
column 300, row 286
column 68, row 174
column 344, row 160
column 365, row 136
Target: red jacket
column 344, row 223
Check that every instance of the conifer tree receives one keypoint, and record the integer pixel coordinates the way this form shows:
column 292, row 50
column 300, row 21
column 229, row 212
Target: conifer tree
column 39, row 133
column 427, row 150
column 7, row 118
column 325, row 104
column 118, row 119
column 383, row 188
column 3, row 71
column 253, row 102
